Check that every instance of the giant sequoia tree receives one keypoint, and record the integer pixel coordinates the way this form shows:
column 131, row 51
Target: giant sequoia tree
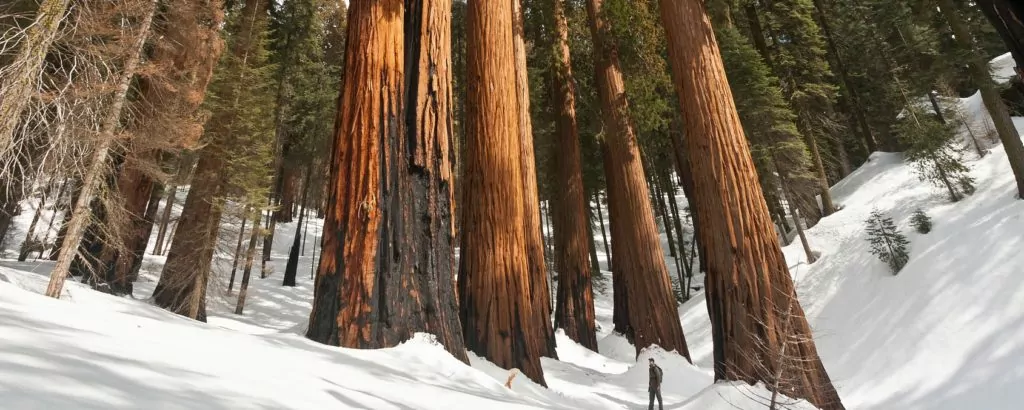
column 751, row 298
column 574, row 302
column 498, row 317
column 639, row 271
column 387, row 267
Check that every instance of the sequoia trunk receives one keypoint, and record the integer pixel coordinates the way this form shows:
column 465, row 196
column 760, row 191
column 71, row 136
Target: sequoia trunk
column 636, row 246
column 751, row 299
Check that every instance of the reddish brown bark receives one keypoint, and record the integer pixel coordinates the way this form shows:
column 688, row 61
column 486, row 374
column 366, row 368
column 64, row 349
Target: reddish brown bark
column 182, row 285
column 116, row 266
column 540, row 293
column 289, row 190
column 639, row 260
column 498, row 317
column 751, row 299
column 574, row 302
column 386, row 270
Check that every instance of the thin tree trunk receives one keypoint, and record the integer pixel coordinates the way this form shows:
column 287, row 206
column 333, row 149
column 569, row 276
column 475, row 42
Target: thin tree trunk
column 748, row 282
column 979, row 70
column 291, row 270
column 639, row 259
column 25, row 245
column 1007, row 16
column 172, row 192
column 98, row 160
column 574, row 302
column 53, row 217
column 499, row 316
column 238, row 248
column 250, row 255
column 19, row 84
column 855, row 104
column 386, row 270
column 595, row 264
column 604, row 234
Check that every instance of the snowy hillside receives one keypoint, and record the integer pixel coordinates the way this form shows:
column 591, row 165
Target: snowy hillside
column 946, row 333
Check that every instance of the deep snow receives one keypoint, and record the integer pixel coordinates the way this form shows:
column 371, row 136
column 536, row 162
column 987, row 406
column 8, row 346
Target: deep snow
column 946, row 333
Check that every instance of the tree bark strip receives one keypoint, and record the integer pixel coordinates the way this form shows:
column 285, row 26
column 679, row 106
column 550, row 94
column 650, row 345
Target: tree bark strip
column 497, row 312
column 748, row 281
column 574, row 302
column 639, row 259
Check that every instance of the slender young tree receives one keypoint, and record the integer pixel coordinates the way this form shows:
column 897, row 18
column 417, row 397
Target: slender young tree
column 387, row 267
column 496, row 309
column 639, row 268
column 979, row 71
column 747, row 276
column 80, row 214
column 574, row 302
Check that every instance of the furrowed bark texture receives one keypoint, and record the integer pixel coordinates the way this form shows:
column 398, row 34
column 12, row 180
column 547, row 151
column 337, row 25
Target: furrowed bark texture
column 574, row 302
column 748, row 282
column 182, row 285
column 386, row 270
column 495, row 307
column 636, row 246
column 540, row 293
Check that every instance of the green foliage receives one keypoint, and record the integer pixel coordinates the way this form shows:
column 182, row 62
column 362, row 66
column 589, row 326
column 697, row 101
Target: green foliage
column 241, row 101
column 887, row 243
column 768, row 122
column 307, row 76
column 921, row 222
column 935, row 152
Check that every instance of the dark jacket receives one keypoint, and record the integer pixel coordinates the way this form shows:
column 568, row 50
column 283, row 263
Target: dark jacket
column 655, row 378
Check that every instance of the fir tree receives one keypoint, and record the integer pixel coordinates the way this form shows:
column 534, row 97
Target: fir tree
column 887, row 243
column 921, row 222
column 933, row 149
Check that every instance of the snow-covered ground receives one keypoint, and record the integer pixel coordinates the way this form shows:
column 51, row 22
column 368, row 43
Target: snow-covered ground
column 946, row 333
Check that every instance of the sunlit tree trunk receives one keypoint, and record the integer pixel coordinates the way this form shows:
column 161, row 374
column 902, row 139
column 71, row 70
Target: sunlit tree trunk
column 498, row 315
column 388, row 255
column 750, row 295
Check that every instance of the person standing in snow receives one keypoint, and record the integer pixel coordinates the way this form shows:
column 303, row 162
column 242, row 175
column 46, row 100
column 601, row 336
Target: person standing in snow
column 654, row 384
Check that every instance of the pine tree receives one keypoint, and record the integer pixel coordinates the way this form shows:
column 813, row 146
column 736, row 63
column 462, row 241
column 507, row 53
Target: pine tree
column 933, row 148
column 921, row 222
column 887, row 243
column 234, row 158
column 979, row 71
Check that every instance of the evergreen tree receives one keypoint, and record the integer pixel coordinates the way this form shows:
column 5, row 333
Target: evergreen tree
column 933, row 149
column 921, row 222
column 887, row 243
column 235, row 157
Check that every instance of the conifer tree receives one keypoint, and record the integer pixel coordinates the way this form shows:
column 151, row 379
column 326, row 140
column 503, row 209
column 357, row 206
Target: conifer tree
column 979, row 71
column 235, row 156
column 887, row 243
column 644, row 306
column 388, row 262
column 751, row 298
column 933, row 148
column 798, row 57
column 921, row 222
